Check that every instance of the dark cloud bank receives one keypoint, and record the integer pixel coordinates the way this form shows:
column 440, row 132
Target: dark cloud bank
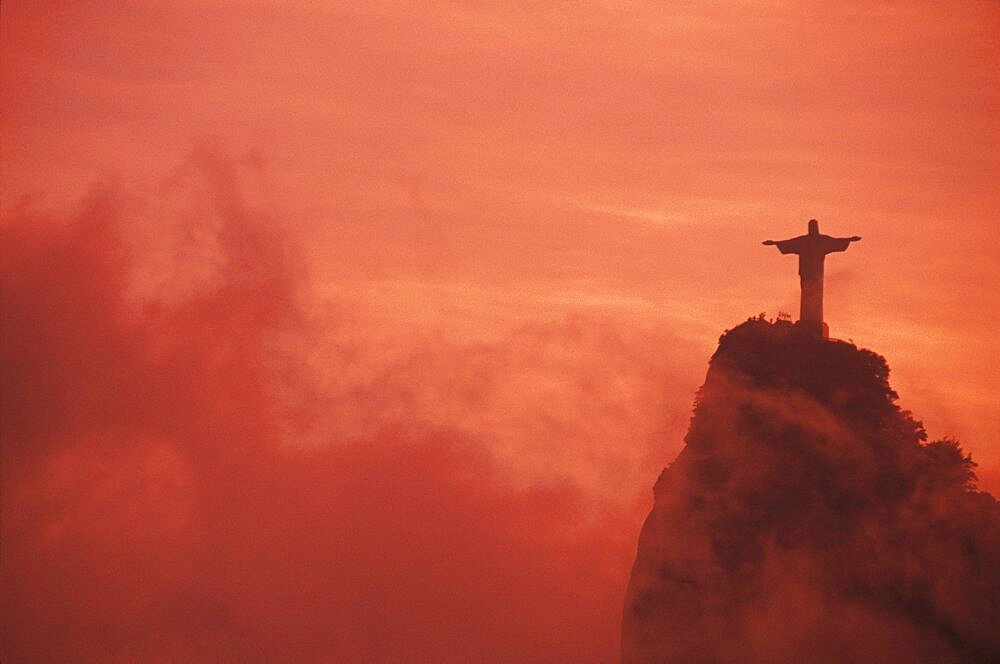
column 807, row 520
column 159, row 504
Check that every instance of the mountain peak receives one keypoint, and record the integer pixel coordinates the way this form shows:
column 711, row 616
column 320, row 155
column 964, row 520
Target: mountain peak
column 807, row 518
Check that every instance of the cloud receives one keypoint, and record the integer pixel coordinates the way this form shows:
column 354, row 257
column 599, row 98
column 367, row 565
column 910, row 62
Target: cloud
column 186, row 478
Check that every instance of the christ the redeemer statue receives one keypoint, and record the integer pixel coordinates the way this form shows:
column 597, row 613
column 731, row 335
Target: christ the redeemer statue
column 812, row 249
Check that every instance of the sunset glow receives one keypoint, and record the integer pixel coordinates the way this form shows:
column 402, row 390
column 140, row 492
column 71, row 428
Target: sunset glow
column 361, row 332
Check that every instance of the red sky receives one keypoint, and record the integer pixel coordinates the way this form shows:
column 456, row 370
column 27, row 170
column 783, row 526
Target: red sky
column 524, row 228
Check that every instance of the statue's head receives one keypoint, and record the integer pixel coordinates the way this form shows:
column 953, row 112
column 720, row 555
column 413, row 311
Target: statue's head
column 813, row 227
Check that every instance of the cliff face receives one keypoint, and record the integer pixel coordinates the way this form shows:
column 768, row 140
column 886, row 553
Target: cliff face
column 807, row 519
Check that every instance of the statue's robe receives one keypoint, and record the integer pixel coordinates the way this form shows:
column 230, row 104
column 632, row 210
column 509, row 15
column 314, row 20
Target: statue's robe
column 812, row 249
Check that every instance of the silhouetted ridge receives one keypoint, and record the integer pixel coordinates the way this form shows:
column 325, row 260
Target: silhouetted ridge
column 807, row 519
column 777, row 356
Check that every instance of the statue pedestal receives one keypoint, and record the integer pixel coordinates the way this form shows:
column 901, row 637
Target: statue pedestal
column 814, row 328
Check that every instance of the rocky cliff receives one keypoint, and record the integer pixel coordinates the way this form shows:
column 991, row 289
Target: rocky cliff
column 807, row 519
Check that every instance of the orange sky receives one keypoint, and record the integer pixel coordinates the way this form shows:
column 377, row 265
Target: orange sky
column 531, row 225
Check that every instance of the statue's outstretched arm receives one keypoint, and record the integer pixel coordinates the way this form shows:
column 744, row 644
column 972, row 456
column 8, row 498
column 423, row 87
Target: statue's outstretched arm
column 854, row 238
column 770, row 242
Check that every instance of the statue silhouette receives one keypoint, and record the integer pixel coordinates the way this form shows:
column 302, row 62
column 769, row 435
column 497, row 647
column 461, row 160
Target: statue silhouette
column 812, row 249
